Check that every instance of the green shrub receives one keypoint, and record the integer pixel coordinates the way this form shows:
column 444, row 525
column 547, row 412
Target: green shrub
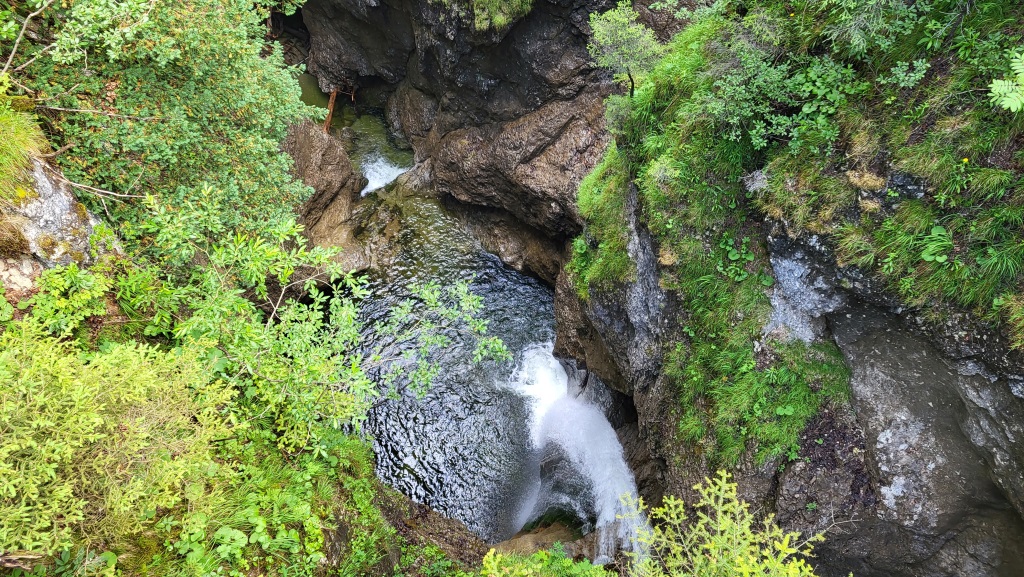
column 91, row 443
column 719, row 537
column 67, row 296
column 160, row 99
column 623, row 45
column 551, row 563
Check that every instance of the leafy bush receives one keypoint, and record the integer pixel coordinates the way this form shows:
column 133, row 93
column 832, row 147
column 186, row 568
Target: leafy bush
column 551, row 563
column 1009, row 93
column 90, row 443
column 621, row 44
column 161, row 98
column 720, row 538
column 67, row 296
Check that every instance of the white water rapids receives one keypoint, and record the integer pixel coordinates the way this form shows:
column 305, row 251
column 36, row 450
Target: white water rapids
column 379, row 172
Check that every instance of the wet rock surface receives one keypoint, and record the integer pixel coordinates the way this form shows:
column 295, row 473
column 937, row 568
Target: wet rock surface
column 519, row 246
column 530, row 167
column 917, row 476
column 322, row 163
column 509, row 118
column 934, row 494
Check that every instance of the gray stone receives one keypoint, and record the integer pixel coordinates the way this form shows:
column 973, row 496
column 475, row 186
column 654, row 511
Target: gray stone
column 804, row 293
column 937, row 503
column 56, row 226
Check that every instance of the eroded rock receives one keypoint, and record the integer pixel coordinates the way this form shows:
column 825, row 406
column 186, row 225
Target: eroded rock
column 936, row 500
column 530, row 167
column 322, row 163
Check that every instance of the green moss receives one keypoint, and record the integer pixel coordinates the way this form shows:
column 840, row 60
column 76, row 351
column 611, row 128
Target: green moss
column 738, row 390
column 599, row 259
column 497, row 14
column 47, row 244
column 490, row 14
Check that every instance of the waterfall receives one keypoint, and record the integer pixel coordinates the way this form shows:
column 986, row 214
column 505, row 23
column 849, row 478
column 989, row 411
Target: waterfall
column 581, row 433
column 379, row 172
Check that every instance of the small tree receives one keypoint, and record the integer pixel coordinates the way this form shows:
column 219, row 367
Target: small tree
column 622, row 44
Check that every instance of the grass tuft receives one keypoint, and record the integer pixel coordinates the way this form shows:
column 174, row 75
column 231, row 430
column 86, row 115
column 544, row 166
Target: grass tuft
column 22, row 139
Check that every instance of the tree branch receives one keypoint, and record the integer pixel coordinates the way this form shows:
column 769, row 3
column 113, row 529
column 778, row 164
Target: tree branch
column 21, row 34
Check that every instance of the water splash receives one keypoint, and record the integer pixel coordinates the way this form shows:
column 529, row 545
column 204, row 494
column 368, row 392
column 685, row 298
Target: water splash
column 379, row 171
column 582, row 434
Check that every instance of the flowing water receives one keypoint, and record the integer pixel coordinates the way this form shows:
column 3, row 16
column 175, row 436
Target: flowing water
column 495, row 445
column 373, row 152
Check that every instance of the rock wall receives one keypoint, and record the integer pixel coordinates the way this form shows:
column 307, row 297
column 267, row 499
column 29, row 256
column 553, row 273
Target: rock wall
column 918, row 476
column 510, row 119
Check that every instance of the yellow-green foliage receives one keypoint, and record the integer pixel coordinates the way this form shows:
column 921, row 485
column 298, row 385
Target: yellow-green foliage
column 21, row 140
column 552, row 563
column 721, row 538
column 67, row 296
column 496, row 14
column 89, row 444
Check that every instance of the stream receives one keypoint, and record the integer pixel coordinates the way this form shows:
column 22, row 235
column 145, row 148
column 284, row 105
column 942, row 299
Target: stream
column 365, row 136
column 496, row 445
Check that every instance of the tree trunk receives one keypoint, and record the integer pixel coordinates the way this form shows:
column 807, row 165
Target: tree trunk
column 330, row 111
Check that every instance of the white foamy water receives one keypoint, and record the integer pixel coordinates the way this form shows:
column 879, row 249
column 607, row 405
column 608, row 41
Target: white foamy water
column 583, row 434
column 379, row 172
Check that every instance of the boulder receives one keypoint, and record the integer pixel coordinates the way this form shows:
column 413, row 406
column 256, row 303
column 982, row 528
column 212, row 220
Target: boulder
column 529, row 167
column 320, row 161
column 48, row 222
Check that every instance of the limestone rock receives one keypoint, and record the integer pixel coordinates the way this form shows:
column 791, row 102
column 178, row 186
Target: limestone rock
column 56, row 228
column 936, row 499
column 17, row 275
column 530, row 167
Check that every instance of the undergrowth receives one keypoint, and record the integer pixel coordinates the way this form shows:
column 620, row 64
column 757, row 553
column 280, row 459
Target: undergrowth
column 186, row 405
column 686, row 143
column 22, row 139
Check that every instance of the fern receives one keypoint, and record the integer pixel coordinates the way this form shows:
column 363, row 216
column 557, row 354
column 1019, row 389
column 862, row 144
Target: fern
column 1009, row 93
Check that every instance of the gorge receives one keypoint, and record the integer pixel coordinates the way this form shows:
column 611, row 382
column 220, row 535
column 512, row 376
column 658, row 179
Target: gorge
column 534, row 288
column 505, row 123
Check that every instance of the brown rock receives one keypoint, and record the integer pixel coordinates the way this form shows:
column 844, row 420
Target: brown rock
column 530, row 167
column 322, row 163
column 411, row 112
column 529, row 542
